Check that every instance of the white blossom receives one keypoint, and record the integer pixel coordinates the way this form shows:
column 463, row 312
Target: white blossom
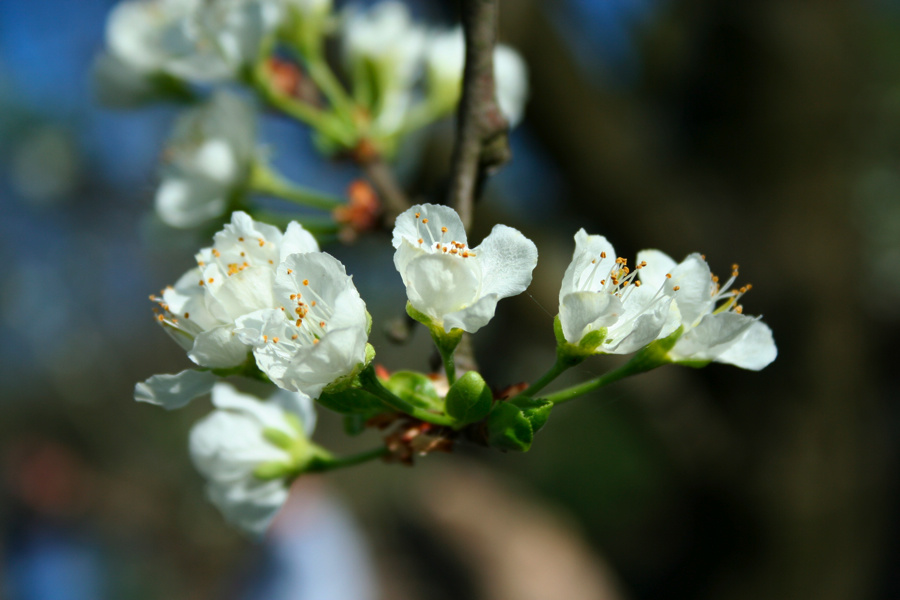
column 599, row 290
column 243, row 436
column 715, row 328
column 384, row 50
column 207, row 161
column 196, row 40
column 318, row 330
column 454, row 285
column 233, row 278
column 445, row 60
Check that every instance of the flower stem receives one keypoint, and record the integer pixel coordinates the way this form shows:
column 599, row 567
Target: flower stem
column 324, row 122
column 369, row 382
column 318, row 227
column 265, row 180
column 558, row 368
column 446, row 344
column 330, row 464
column 645, row 360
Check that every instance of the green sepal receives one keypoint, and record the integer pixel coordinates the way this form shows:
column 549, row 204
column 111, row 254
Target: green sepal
column 416, row 389
column 469, row 399
column 656, row 353
column 509, row 429
column 558, row 331
column 278, row 438
column 536, row 410
column 419, row 316
column 592, row 340
column 351, row 379
column 351, row 400
column 574, row 354
column 273, row 470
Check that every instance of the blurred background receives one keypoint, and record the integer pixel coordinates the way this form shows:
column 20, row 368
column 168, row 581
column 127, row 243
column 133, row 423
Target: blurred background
column 763, row 133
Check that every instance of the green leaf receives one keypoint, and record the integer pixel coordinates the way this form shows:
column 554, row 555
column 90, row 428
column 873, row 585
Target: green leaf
column 536, row 410
column 416, row 389
column 352, row 401
column 469, row 399
column 509, row 429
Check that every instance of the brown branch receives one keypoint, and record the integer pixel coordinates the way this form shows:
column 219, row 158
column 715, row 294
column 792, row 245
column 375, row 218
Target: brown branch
column 392, row 196
column 481, row 141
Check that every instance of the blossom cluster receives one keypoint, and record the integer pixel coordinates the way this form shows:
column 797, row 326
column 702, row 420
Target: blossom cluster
column 282, row 320
column 401, row 75
column 271, row 306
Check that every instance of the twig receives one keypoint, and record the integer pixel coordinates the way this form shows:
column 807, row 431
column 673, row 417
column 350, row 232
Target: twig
column 392, row 195
column 482, row 145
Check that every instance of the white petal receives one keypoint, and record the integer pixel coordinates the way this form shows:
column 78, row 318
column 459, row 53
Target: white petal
column 297, row 240
column 252, row 507
column 512, row 83
column 335, row 356
column 189, row 201
column 174, row 391
column 241, row 293
column 405, row 254
column 473, row 317
column 582, row 312
column 440, row 284
column 218, row 348
column 635, row 333
column 507, row 259
column 412, row 229
column 298, row 404
column 714, row 334
column 754, row 349
column 658, row 265
column 588, row 266
column 215, row 159
column 694, row 296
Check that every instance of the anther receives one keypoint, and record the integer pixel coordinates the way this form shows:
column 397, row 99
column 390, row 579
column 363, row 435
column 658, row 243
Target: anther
column 322, row 324
column 210, row 280
column 240, row 239
column 313, row 303
column 676, row 288
column 289, row 271
column 306, row 282
column 265, row 338
column 216, row 253
column 424, row 220
column 421, row 241
column 187, row 315
column 295, row 336
column 417, row 215
column 603, row 255
column 262, row 242
column 637, row 284
column 443, row 230
column 275, row 340
column 668, row 276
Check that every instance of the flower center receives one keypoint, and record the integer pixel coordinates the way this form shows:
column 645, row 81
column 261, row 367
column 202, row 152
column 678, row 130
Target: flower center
column 436, row 243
